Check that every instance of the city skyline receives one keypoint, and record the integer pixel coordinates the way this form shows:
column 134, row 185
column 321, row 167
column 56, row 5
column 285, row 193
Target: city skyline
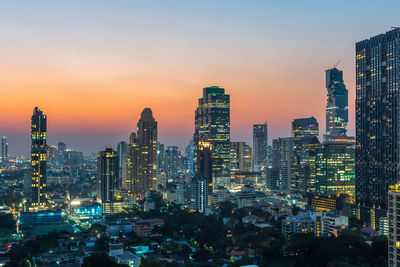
column 251, row 57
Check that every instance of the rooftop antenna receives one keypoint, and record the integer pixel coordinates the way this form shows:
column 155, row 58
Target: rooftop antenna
column 337, row 63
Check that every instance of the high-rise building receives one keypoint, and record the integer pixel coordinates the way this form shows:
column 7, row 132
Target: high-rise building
column 335, row 164
column 337, row 106
column 122, row 149
column 212, row 126
column 305, row 127
column 199, row 193
column 143, row 153
column 38, row 157
column 241, row 158
column 173, row 161
column 394, row 225
column 4, row 149
column 190, row 157
column 377, row 116
column 260, row 146
column 161, row 158
column 52, row 155
column 107, row 179
column 62, row 148
column 283, row 148
column 303, row 166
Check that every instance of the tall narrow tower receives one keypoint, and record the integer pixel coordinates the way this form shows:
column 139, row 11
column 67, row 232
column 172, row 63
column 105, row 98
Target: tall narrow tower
column 337, row 103
column 4, row 149
column 260, row 146
column 107, row 178
column 38, row 157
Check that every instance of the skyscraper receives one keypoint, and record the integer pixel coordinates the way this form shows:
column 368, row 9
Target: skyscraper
column 241, row 158
column 122, row 149
column 260, row 146
column 38, row 157
column 107, row 178
column 212, row 126
column 305, row 127
column 4, row 149
column 143, row 153
column 283, row 148
column 337, row 106
column 173, row 161
column 377, row 116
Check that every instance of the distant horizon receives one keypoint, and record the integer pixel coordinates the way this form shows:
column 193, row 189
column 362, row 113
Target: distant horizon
column 92, row 68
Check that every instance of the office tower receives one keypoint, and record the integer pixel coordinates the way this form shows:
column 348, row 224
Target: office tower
column 335, row 163
column 212, row 127
column 204, row 165
column 241, row 158
column 394, row 225
column 190, row 156
column 161, row 158
column 4, row 149
column 62, row 147
column 199, row 193
column 282, row 160
column 305, row 127
column 52, row 155
column 303, row 168
column 143, row 153
column 377, row 116
column 38, row 157
column 173, row 161
column 107, row 179
column 260, row 146
column 337, row 106
column 122, row 149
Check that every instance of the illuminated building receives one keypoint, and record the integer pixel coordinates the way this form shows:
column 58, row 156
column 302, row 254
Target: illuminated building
column 38, row 158
column 173, row 161
column 40, row 217
column 203, row 163
column 377, row 115
column 241, row 158
column 161, row 158
column 107, row 179
column 143, row 153
column 122, row 149
column 4, row 149
column 212, row 125
column 282, row 162
column 384, row 226
column 335, row 166
column 199, row 193
column 324, row 203
column 305, row 127
column 87, row 210
column 190, row 157
column 394, row 225
column 260, row 146
column 337, row 106
column 52, row 155
column 303, row 165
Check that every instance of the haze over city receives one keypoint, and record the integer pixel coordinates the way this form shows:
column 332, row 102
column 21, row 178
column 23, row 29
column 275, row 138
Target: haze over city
column 93, row 66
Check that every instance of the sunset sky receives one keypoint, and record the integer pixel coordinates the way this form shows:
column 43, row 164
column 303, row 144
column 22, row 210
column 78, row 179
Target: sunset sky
column 92, row 66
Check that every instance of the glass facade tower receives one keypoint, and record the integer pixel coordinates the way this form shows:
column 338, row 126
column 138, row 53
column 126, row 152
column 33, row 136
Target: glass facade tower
column 212, row 127
column 377, row 116
column 337, row 103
